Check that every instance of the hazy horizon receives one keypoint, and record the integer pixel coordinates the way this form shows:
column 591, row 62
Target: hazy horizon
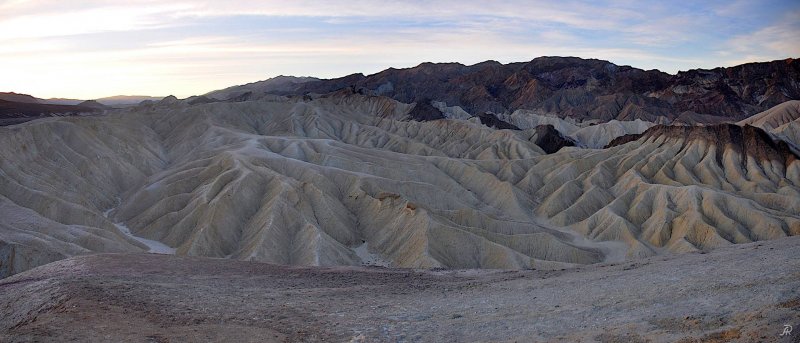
column 94, row 49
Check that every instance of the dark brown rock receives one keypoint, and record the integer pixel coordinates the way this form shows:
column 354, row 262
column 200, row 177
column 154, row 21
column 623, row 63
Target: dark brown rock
column 550, row 140
column 584, row 88
column 490, row 120
column 424, row 111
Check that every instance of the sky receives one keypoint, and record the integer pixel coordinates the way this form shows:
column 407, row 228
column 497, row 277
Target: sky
column 88, row 49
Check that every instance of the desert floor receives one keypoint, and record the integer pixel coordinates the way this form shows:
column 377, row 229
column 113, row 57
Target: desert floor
column 740, row 293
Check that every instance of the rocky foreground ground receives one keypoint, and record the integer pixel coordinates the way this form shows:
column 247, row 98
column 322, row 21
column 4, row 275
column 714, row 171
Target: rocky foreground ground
column 741, row 293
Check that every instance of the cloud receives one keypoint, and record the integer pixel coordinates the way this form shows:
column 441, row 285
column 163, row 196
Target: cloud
column 30, row 18
column 86, row 21
column 779, row 40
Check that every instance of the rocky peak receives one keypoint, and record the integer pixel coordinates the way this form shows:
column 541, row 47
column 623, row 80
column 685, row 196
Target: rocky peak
column 746, row 140
column 549, row 139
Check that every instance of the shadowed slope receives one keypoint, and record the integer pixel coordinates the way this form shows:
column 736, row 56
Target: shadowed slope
column 782, row 121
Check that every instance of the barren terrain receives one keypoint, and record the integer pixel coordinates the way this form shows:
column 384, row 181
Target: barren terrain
column 742, row 293
column 302, row 181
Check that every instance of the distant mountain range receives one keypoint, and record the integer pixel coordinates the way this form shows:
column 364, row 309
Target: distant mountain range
column 567, row 87
column 17, row 108
column 582, row 90
column 278, row 84
column 117, row 100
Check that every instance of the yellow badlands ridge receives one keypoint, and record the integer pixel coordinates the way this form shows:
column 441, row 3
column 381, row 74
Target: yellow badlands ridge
column 328, row 181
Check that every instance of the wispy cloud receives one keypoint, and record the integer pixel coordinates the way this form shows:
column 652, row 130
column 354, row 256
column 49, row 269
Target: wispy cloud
column 779, row 40
column 87, row 21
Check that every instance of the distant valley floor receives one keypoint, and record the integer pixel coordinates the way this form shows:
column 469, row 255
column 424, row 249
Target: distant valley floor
column 741, row 293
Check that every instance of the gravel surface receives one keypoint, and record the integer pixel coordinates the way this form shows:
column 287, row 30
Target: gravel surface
column 741, row 293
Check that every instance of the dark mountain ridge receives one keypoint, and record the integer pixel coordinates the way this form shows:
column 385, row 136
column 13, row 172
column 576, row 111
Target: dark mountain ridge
column 584, row 89
column 12, row 112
